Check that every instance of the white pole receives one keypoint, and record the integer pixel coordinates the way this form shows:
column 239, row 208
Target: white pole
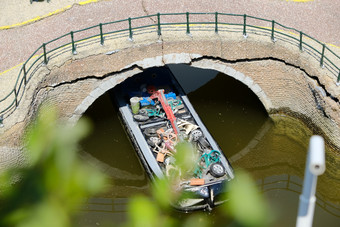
column 315, row 166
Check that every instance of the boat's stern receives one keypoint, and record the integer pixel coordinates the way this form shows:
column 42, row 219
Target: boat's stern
column 202, row 197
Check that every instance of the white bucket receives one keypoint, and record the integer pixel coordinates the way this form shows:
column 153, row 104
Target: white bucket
column 134, row 101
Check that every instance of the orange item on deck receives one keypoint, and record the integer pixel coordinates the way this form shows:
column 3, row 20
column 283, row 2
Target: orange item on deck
column 196, row 181
column 160, row 157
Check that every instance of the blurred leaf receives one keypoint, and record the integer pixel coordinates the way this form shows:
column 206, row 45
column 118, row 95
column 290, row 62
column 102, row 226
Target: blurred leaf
column 197, row 220
column 186, row 158
column 143, row 213
column 246, row 204
column 40, row 133
column 163, row 193
column 55, row 183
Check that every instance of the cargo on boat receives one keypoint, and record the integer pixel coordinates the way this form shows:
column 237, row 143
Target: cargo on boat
column 157, row 116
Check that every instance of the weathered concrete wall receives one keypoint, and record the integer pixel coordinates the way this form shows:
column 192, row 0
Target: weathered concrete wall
column 270, row 164
column 285, row 79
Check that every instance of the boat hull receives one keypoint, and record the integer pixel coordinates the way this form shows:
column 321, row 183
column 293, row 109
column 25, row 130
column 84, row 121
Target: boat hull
column 202, row 197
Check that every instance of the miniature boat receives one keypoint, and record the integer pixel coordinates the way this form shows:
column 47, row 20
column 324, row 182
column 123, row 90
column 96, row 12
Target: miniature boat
column 157, row 115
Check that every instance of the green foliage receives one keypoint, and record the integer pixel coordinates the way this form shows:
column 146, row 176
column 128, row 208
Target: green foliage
column 55, row 183
column 186, row 158
column 50, row 190
column 163, row 193
column 143, row 213
column 245, row 203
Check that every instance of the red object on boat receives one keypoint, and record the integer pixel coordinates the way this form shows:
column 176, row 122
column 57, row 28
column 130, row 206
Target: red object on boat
column 166, row 107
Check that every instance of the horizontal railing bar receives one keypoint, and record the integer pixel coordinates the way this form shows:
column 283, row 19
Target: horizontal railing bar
column 207, row 22
column 142, row 17
column 85, row 39
column 153, row 15
column 315, row 50
column 145, row 26
column 36, row 60
column 231, row 24
column 66, row 44
column 330, row 64
column 231, row 14
column 209, row 13
column 6, row 96
column 287, row 35
column 169, row 23
column 115, row 22
column 332, row 52
column 313, row 39
column 118, row 31
column 10, row 105
column 257, row 18
column 172, row 14
column 297, row 31
column 60, row 37
column 259, row 27
column 85, row 29
column 31, row 56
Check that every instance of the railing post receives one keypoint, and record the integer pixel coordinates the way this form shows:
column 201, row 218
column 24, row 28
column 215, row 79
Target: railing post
column 273, row 31
column 130, row 30
column 216, row 22
column 338, row 80
column 73, row 44
column 1, row 121
column 300, row 44
column 24, row 69
column 45, row 57
column 159, row 24
column 188, row 27
column 322, row 55
column 16, row 97
column 101, row 34
column 245, row 26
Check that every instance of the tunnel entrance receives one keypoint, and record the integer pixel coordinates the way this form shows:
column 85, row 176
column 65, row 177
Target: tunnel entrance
column 230, row 110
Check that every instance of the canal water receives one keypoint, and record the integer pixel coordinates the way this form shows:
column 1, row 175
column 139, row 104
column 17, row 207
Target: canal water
column 272, row 149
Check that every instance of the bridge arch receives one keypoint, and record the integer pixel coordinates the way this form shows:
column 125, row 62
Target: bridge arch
column 181, row 58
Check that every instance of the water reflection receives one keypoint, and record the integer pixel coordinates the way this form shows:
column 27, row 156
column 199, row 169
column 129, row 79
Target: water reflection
column 231, row 112
column 290, row 183
column 273, row 149
column 109, row 148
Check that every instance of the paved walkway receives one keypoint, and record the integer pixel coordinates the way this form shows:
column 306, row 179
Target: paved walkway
column 33, row 12
column 24, row 26
column 320, row 19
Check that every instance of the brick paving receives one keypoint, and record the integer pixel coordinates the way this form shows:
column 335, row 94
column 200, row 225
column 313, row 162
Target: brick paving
column 318, row 19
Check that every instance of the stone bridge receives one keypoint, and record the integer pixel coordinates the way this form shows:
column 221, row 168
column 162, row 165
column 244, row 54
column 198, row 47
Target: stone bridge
column 286, row 79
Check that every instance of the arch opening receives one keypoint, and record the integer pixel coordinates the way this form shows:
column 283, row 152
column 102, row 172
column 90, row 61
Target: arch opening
column 230, row 110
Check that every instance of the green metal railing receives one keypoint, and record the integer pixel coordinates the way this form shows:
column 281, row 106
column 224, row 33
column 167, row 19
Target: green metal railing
column 215, row 21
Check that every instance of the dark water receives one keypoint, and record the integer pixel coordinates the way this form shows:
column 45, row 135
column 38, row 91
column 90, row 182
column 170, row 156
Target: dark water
column 272, row 149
